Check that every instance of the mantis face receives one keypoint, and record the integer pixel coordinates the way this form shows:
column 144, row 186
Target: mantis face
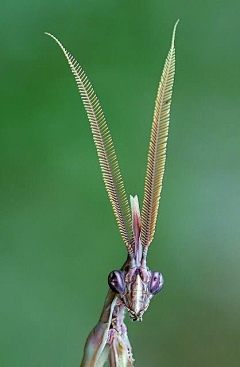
column 135, row 284
column 135, row 287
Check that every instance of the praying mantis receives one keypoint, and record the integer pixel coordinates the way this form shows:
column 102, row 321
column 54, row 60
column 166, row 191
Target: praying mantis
column 132, row 287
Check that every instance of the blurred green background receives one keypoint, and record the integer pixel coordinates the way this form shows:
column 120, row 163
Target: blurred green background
column 59, row 238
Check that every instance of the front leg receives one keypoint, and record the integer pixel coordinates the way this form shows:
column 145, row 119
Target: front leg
column 120, row 351
column 96, row 348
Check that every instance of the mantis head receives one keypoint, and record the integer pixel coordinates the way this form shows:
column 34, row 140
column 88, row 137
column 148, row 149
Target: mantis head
column 135, row 287
column 135, row 284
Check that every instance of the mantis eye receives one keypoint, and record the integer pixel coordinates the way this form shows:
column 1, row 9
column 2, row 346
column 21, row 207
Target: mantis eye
column 156, row 282
column 116, row 281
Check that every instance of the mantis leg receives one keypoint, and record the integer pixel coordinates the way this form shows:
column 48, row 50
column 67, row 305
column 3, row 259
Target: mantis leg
column 120, row 351
column 108, row 340
column 96, row 348
column 120, row 354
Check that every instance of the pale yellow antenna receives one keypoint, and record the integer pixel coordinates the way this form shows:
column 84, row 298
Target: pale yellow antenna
column 157, row 149
column 105, row 149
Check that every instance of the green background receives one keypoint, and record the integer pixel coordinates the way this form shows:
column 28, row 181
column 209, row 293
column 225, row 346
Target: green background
column 59, row 238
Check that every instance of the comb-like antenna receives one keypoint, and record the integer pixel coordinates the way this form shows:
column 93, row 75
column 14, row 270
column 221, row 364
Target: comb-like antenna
column 157, row 149
column 105, row 149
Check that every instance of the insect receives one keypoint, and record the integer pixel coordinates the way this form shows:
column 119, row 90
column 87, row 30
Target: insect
column 131, row 287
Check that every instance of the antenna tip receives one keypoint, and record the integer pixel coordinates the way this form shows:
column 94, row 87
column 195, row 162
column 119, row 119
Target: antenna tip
column 177, row 23
column 49, row 34
column 174, row 31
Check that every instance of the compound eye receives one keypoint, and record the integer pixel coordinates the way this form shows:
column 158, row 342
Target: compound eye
column 116, row 281
column 156, row 282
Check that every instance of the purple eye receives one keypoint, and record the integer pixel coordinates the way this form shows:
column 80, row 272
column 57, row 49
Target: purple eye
column 116, row 281
column 156, row 282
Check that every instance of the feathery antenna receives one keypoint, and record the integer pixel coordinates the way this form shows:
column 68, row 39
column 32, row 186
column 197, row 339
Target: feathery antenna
column 157, row 148
column 105, row 149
